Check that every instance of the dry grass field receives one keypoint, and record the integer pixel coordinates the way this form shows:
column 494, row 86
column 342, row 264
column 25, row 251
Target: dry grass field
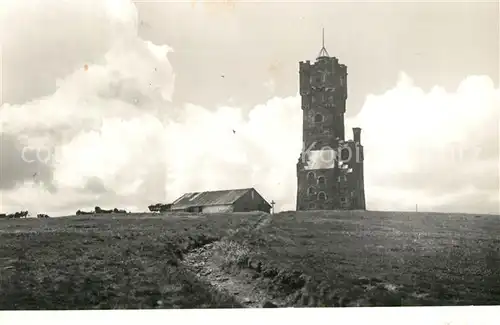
column 377, row 258
column 304, row 258
column 127, row 261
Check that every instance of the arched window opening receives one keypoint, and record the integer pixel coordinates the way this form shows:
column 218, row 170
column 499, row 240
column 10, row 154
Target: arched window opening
column 321, row 180
column 311, row 176
column 318, row 118
column 321, row 196
column 310, row 191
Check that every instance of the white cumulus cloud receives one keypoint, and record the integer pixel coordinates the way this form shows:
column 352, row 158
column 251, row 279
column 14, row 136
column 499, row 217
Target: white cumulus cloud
column 437, row 149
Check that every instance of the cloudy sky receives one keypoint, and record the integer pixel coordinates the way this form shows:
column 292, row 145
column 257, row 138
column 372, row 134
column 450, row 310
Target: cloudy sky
column 127, row 104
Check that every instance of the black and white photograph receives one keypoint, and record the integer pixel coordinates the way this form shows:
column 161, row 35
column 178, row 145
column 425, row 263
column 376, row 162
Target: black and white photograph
column 249, row 154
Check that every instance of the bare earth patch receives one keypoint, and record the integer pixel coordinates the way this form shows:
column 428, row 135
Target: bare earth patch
column 207, row 262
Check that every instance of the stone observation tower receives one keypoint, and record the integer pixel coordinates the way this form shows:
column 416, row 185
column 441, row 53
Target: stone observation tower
column 330, row 169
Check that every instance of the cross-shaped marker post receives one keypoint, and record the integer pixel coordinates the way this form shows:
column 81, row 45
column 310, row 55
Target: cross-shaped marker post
column 272, row 206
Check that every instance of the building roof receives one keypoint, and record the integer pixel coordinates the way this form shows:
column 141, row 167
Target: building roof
column 197, row 199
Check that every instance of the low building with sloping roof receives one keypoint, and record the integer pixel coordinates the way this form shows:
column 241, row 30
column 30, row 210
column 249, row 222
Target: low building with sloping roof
column 237, row 200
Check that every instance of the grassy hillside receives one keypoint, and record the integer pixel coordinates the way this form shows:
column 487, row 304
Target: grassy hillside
column 307, row 258
column 128, row 261
column 378, row 258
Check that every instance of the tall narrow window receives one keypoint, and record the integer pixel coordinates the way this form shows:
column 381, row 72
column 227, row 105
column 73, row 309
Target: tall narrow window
column 323, row 76
column 342, row 81
column 305, row 104
column 310, row 177
column 310, row 191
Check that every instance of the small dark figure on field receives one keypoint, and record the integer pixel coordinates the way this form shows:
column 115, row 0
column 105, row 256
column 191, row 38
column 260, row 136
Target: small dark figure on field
column 17, row 215
column 154, row 208
column 99, row 210
column 158, row 207
column 80, row 212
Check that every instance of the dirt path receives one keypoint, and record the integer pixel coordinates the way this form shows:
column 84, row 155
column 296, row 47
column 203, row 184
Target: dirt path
column 202, row 261
column 263, row 221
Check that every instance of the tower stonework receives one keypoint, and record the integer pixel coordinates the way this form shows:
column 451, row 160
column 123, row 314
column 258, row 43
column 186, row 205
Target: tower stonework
column 330, row 169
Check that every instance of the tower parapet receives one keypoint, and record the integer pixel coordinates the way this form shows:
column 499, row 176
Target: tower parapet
column 305, row 77
column 356, row 132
